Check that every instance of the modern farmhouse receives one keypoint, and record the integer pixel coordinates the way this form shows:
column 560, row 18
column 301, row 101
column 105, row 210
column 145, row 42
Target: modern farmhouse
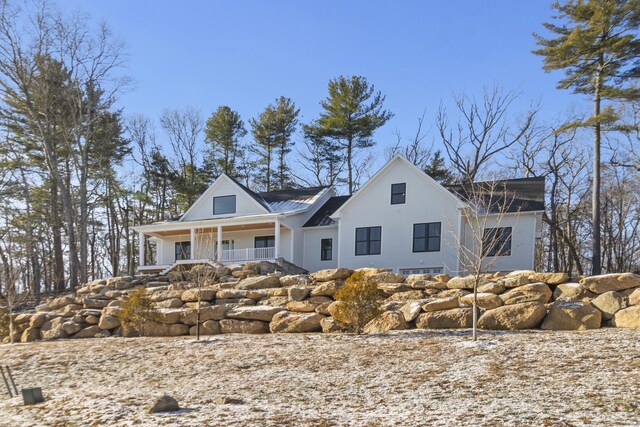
column 400, row 219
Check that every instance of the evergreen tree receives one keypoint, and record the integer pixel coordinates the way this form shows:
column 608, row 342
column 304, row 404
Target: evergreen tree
column 272, row 132
column 437, row 169
column 596, row 44
column 352, row 113
column 223, row 131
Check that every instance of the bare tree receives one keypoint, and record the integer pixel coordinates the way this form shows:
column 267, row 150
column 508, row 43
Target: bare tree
column 415, row 151
column 488, row 218
column 482, row 131
column 203, row 275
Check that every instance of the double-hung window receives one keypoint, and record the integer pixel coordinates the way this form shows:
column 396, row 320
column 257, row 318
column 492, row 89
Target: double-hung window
column 426, row 237
column 182, row 250
column 398, row 193
column 368, row 240
column 496, row 241
column 326, row 249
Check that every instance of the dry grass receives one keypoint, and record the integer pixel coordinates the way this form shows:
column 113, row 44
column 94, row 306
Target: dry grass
column 407, row 378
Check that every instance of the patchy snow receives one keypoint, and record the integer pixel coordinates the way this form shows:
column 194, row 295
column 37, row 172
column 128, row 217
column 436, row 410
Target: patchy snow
column 403, row 378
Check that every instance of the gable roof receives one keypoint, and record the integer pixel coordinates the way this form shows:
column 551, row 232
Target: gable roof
column 322, row 217
column 291, row 199
column 518, row 195
column 398, row 158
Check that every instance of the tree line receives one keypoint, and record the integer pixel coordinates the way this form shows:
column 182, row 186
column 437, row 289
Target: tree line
column 77, row 173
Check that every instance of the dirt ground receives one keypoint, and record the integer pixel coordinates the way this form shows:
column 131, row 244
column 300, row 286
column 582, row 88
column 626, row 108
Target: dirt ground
column 412, row 378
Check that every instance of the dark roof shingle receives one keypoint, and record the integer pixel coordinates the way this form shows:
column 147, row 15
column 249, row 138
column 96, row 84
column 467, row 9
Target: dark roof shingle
column 517, row 195
column 322, row 215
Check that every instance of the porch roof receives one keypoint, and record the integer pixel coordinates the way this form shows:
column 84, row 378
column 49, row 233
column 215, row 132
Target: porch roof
column 247, row 222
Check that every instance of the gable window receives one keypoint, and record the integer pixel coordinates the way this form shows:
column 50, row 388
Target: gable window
column 496, row 241
column 224, row 205
column 426, row 237
column 183, row 250
column 368, row 240
column 398, row 193
column 265, row 242
column 326, row 249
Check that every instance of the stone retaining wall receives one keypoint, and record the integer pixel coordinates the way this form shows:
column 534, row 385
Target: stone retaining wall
column 253, row 299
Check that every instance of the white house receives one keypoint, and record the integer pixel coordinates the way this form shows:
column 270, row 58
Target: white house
column 400, row 219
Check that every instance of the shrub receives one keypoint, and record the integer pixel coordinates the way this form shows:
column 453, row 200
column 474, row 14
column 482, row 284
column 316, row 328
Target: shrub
column 360, row 302
column 136, row 310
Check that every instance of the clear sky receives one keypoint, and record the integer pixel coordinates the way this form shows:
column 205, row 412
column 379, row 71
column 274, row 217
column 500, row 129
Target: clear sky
column 246, row 53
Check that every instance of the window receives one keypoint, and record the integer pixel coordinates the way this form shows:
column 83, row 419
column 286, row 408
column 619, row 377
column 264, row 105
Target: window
column 264, row 242
column 183, row 250
column 326, row 249
column 398, row 193
column 368, row 240
column 426, row 237
column 496, row 241
column 224, row 205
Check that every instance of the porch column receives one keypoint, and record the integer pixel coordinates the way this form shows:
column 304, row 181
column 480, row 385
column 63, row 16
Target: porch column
column 193, row 244
column 219, row 245
column 141, row 245
column 277, row 238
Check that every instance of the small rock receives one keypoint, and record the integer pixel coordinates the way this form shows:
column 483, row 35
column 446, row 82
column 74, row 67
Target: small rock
column 165, row 403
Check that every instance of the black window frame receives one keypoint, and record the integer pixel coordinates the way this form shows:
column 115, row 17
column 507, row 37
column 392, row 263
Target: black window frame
column 369, row 243
column 326, row 251
column 429, row 238
column 225, row 197
column 501, row 245
column 185, row 248
column 399, row 196
column 264, row 239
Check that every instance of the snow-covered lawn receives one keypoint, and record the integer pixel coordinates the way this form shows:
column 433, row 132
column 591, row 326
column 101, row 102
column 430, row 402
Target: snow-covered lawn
column 412, row 378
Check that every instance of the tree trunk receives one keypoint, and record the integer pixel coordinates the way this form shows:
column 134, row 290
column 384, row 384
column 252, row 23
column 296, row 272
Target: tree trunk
column 595, row 208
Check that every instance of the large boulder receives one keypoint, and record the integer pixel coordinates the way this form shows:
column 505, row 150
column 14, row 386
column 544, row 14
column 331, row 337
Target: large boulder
column 210, row 327
column 240, row 293
column 162, row 295
column 70, row 327
column 452, row 293
column 52, row 329
column 212, row 312
column 442, row 278
column 549, row 278
column 170, row 303
column 394, row 288
column 92, row 302
column 441, row 304
column 387, row 321
column 38, row 319
column 191, row 295
column 235, row 326
column 108, row 322
column 572, row 291
column 634, row 297
column 446, row 319
column 520, row 273
column 527, row 315
column 492, row 288
column 407, row 295
column 609, row 303
column 466, row 282
column 60, row 302
column 610, row 282
column 302, row 306
column 258, row 312
column 30, row 334
column 298, row 293
column 167, row 315
column 259, row 282
column 331, row 274
column 151, row 328
column 411, row 310
column 486, row 301
column 572, row 315
column 327, row 289
column 386, row 277
column 294, row 280
column 533, row 292
column 285, row 321
column 627, row 318
column 88, row 332
column 329, row 324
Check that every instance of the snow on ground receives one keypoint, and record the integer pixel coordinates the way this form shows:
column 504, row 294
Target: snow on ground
column 413, row 378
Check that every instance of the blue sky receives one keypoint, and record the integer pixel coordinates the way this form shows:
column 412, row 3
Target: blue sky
column 246, row 53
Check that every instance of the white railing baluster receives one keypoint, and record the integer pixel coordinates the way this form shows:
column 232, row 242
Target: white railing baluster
column 248, row 254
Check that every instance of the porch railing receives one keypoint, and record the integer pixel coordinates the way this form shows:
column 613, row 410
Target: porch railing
column 248, row 254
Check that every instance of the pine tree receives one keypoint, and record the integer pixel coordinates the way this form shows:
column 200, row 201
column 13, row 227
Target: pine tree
column 352, row 113
column 597, row 47
column 272, row 132
column 438, row 170
column 223, row 131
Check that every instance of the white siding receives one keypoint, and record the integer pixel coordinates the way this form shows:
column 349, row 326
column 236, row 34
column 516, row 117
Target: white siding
column 523, row 239
column 312, row 239
column 425, row 202
column 223, row 186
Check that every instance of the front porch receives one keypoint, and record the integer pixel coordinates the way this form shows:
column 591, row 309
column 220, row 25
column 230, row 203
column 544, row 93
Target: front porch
column 164, row 246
